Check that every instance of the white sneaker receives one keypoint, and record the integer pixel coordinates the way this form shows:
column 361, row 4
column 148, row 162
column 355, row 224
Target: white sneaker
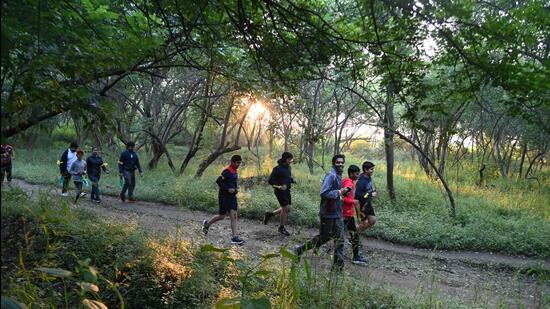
column 64, row 194
column 82, row 194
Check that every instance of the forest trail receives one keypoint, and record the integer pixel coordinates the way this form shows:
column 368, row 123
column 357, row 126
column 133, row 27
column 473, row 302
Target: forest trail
column 469, row 277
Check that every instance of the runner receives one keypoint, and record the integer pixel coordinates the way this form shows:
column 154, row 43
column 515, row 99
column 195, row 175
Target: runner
column 331, row 225
column 78, row 170
column 8, row 154
column 349, row 215
column 364, row 193
column 227, row 199
column 281, row 181
column 94, row 165
column 67, row 159
column 127, row 165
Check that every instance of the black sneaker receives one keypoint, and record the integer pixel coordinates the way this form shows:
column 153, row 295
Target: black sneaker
column 237, row 240
column 122, row 197
column 267, row 216
column 283, row 231
column 205, row 226
column 360, row 260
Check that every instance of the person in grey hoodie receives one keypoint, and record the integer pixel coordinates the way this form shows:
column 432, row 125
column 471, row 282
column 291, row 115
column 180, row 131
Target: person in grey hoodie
column 77, row 171
column 330, row 213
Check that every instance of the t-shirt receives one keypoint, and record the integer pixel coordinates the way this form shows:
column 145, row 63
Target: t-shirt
column 349, row 200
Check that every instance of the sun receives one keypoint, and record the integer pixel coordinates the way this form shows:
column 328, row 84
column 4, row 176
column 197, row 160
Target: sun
column 257, row 111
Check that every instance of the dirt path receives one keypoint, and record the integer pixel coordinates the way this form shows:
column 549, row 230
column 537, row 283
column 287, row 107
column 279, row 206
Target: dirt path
column 468, row 277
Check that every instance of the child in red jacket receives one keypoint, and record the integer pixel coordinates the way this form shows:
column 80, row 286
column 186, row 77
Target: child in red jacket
column 348, row 210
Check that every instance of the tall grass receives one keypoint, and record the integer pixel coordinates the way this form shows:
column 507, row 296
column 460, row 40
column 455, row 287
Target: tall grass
column 509, row 216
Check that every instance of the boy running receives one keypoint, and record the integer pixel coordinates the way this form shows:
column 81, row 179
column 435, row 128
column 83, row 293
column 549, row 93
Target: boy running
column 8, row 153
column 227, row 199
column 364, row 193
column 77, row 171
column 349, row 215
column 281, row 181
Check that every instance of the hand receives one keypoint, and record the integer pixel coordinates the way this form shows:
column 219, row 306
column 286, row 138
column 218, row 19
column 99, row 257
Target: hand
column 140, row 174
column 373, row 193
column 231, row 190
column 344, row 191
column 282, row 187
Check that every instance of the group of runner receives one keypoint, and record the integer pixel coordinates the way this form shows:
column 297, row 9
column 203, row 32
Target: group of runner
column 73, row 166
column 342, row 201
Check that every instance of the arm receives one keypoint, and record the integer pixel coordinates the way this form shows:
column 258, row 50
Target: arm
column 221, row 182
column 271, row 180
column 138, row 165
column 348, row 183
column 63, row 164
column 73, row 170
column 120, row 163
column 326, row 188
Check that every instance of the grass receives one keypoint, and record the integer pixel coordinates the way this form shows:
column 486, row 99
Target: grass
column 509, row 216
column 56, row 256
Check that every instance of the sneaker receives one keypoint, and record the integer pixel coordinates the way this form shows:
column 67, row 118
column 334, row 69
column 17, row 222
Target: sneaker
column 283, row 231
column 205, row 226
column 82, row 194
column 267, row 216
column 122, row 197
column 360, row 260
column 96, row 201
column 131, row 200
column 237, row 240
column 64, row 194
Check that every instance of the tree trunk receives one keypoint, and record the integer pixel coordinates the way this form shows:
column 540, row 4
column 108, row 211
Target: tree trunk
column 212, row 157
column 522, row 160
column 532, row 162
column 388, row 146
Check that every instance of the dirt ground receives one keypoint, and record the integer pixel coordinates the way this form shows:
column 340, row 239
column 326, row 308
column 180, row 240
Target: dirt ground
column 471, row 278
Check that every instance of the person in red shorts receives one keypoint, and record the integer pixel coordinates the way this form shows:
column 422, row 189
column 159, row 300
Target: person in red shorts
column 348, row 210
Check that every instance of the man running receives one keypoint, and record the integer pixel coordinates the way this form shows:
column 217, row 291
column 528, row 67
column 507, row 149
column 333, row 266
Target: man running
column 227, row 199
column 127, row 165
column 332, row 225
column 67, row 159
column 8, row 154
column 364, row 193
column 94, row 165
column 281, row 181
column 349, row 215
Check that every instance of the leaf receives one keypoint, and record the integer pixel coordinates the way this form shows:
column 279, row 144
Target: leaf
column 229, row 303
column 256, row 303
column 211, row 248
column 9, row 303
column 86, row 286
column 93, row 304
column 269, row 256
column 90, row 275
column 288, row 254
column 263, row 272
column 56, row 272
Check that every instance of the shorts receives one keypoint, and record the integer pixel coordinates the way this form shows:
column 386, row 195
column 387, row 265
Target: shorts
column 283, row 197
column 227, row 203
column 367, row 210
column 349, row 224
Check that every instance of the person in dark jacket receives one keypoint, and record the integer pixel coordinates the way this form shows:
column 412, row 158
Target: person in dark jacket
column 127, row 165
column 330, row 213
column 281, row 181
column 8, row 154
column 67, row 159
column 94, row 165
column 227, row 199
column 365, row 193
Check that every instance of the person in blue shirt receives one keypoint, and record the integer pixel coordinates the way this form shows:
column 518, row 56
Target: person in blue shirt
column 227, row 199
column 127, row 165
column 330, row 213
column 94, row 165
column 364, row 193
column 281, row 181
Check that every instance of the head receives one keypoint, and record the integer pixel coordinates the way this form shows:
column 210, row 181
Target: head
column 368, row 168
column 236, row 161
column 79, row 153
column 130, row 145
column 353, row 172
column 287, row 158
column 338, row 162
column 95, row 151
column 73, row 146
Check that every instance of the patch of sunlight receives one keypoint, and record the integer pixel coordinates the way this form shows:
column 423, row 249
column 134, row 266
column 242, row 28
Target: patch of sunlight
column 167, row 265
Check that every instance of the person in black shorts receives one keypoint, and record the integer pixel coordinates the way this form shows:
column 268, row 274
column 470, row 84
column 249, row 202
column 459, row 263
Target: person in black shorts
column 281, row 181
column 227, row 199
column 364, row 193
